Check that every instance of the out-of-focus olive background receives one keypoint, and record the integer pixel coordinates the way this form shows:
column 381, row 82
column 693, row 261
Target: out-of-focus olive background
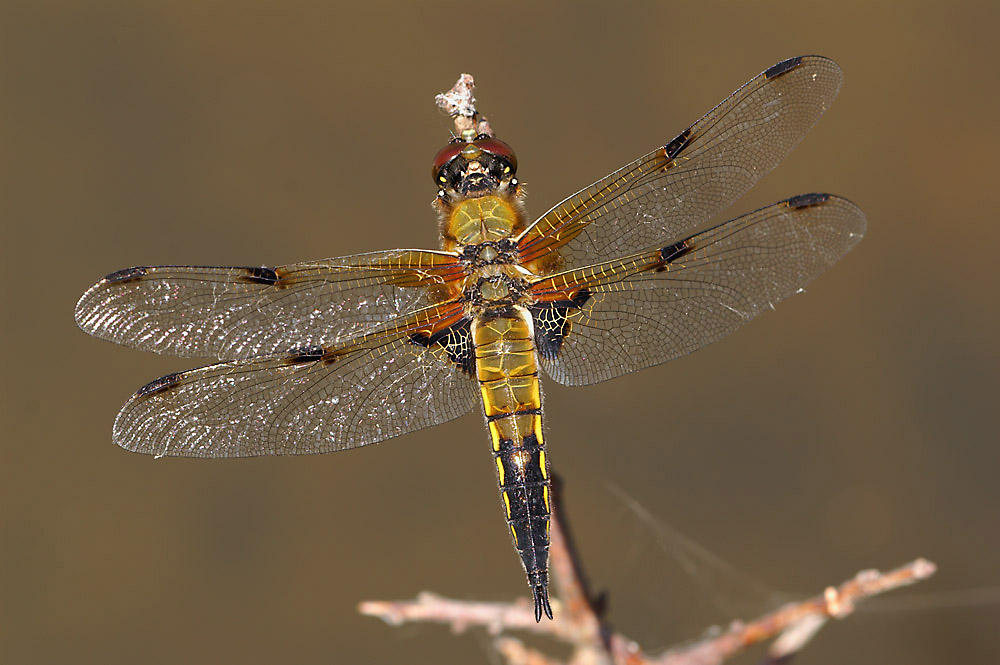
column 854, row 427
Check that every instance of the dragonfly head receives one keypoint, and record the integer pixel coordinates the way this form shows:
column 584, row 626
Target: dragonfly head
column 469, row 167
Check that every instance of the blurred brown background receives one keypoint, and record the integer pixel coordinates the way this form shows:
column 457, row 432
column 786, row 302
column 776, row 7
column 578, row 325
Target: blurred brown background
column 854, row 427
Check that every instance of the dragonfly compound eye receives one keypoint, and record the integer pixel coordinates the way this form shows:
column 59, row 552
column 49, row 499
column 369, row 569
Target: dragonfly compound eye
column 444, row 157
column 499, row 149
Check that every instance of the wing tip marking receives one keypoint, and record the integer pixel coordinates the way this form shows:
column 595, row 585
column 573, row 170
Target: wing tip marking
column 126, row 275
column 783, row 67
column 807, row 200
column 160, row 385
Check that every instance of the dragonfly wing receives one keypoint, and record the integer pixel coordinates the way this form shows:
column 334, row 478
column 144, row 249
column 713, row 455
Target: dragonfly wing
column 606, row 320
column 235, row 313
column 677, row 188
column 310, row 400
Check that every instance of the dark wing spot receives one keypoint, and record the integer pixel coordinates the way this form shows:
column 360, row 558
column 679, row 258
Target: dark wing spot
column 675, row 147
column 421, row 339
column 675, row 251
column 160, row 385
column 261, row 275
column 305, row 354
column 580, row 298
column 552, row 323
column 551, row 327
column 782, row 67
column 126, row 275
column 807, row 200
column 456, row 341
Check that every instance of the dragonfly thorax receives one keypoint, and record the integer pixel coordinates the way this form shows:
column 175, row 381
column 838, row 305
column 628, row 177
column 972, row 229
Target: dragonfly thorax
column 489, row 253
column 480, row 220
column 494, row 285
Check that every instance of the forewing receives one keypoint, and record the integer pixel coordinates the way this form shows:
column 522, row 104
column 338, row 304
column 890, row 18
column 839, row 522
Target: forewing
column 234, row 313
column 676, row 188
column 309, row 400
column 609, row 319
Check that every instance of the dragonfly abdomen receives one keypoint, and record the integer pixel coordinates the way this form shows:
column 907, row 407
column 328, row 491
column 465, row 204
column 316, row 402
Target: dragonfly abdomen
column 507, row 370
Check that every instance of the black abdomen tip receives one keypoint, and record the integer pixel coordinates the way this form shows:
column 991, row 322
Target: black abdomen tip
column 541, row 593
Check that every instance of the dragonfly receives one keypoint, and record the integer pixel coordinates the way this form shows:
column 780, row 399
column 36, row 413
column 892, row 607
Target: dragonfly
column 623, row 275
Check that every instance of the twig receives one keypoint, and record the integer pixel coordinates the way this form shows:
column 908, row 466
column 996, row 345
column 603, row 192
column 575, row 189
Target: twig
column 575, row 622
column 793, row 625
column 796, row 623
column 460, row 104
column 516, row 653
column 432, row 608
column 578, row 623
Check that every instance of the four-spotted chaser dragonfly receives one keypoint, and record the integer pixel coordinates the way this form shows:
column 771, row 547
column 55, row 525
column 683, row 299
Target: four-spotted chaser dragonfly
column 339, row 353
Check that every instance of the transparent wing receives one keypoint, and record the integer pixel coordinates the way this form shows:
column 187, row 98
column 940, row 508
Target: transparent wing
column 234, row 313
column 620, row 316
column 310, row 400
column 679, row 187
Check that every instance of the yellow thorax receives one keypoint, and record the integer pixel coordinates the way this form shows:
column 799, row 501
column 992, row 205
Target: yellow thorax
column 481, row 219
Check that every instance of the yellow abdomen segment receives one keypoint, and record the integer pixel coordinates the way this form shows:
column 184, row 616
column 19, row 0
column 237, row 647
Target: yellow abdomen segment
column 506, row 365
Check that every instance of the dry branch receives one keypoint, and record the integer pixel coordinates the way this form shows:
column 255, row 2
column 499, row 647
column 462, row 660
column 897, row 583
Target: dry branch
column 578, row 623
